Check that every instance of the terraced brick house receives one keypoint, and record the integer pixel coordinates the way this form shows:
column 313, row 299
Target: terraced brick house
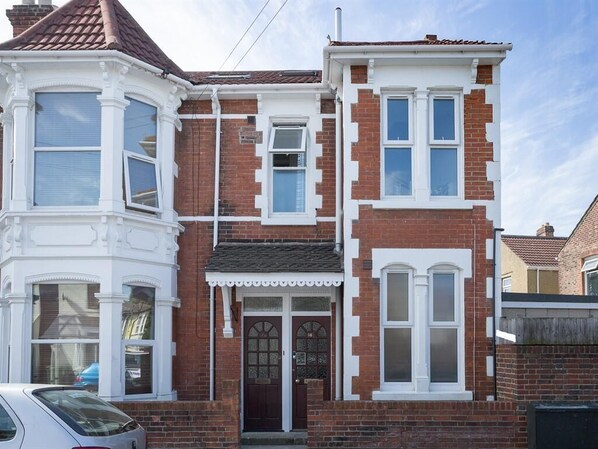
column 185, row 228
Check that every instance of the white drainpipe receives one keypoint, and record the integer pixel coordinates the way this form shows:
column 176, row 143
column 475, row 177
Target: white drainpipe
column 218, row 111
column 338, row 171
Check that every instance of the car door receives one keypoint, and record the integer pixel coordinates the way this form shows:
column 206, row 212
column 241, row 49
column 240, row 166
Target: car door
column 11, row 429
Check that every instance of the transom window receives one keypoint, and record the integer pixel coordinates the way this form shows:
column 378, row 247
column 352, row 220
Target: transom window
column 142, row 178
column 444, row 141
column 397, row 146
column 67, row 149
column 288, row 162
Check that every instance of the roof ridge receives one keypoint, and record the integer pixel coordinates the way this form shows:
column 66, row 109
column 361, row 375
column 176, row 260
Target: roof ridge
column 111, row 30
column 539, row 237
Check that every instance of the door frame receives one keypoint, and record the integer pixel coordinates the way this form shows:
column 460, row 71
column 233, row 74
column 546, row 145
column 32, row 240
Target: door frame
column 286, row 340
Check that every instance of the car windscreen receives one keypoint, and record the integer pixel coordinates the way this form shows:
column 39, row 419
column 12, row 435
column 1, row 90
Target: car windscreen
column 85, row 413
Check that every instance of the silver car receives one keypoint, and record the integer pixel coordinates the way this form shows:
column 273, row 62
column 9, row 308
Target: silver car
column 60, row 417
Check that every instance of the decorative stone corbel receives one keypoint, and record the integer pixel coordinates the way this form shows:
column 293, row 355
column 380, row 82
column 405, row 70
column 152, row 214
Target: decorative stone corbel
column 474, row 70
column 318, row 103
column 227, row 330
column 370, row 71
column 259, row 103
column 19, row 79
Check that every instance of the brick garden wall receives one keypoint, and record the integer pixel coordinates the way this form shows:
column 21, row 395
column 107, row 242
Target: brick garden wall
column 190, row 424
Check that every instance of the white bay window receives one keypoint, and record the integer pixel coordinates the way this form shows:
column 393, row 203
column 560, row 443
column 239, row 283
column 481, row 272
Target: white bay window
column 67, row 149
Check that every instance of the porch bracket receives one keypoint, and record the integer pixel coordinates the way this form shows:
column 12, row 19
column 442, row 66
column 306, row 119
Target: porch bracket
column 227, row 330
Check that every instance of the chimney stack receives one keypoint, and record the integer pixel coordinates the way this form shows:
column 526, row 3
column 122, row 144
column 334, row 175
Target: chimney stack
column 28, row 14
column 431, row 37
column 546, row 230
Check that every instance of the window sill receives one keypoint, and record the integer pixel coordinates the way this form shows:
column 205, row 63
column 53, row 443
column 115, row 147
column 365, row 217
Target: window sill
column 448, row 203
column 423, row 396
column 289, row 220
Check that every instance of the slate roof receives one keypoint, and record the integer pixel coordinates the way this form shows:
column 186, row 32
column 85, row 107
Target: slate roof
column 535, row 251
column 274, row 258
column 257, row 77
column 93, row 25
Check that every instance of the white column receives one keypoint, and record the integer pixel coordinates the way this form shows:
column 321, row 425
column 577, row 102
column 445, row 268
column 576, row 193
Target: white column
column 421, row 175
column 6, row 121
column 422, row 378
column 19, row 366
column 167, row 165
column 111, row 186
column 163, row 351
column 111, row 351
column 23, row 154
column 4, row 339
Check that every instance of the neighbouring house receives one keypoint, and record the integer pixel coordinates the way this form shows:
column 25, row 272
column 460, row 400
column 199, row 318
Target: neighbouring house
column 578, row 259
column 188, row 228
column 529, row 263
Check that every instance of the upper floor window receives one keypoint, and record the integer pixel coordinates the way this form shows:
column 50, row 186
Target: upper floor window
column 288, row 162
column 444, row 146
column 590, row 273
column 142, row 178
column 67, row 149
column 397, row 146
column 506, row 284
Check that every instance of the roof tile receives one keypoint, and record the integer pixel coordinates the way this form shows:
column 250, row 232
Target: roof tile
column 535, row 251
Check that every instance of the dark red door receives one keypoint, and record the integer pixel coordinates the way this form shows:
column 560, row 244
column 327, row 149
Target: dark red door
column 263, row 387
column 311, row 360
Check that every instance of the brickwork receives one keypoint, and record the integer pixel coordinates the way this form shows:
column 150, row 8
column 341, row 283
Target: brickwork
column 582, row 243
column 185, row 424
column 24, row 16
column 484, row 74
column 412, row 424
column 359, row 74
column 547, row 373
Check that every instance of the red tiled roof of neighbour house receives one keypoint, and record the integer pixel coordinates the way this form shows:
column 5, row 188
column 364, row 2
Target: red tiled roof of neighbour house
column 93, row 25
column 257, row 77
column 535, row 251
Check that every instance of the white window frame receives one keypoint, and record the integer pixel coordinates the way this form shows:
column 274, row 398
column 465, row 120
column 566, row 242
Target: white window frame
column 507, row 286
column 130, row 155
column 406, row 144
column 448, row 145
column 456, row 323
column 388, row 324
column 590, row 265
column 276, row 126
column 40, row 149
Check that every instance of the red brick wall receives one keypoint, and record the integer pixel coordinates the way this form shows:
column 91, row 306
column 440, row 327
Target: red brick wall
column 582, row 243
column 412, row 424
column 547, row 373
column 183, row 424
column 359, row 74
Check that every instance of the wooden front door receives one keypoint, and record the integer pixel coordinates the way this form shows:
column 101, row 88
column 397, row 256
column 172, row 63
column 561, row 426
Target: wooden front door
column 263, row 374
column 311, row 360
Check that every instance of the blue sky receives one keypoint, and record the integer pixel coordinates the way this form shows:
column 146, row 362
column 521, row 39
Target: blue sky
column 549, row 79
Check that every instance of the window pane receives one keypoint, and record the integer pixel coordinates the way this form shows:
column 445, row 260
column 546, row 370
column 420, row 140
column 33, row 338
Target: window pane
column 288, row 160
column 67, row 119
column 138, row 369
column 262, row 304
column 444, row 119
column 67, row 178
column 140, row 128
column 443, row 294
column 592, row 283
column 288, row 191
column 143, row 182
column 62, row 311
column 397, row 119
column 397, row 297
column 65, row 364
column 138, row 313
column 310, row 304
column 443, row 171
column 397, row 171
column 8, row 429
column 443, row 355
column 397, row 355
column 287, row 139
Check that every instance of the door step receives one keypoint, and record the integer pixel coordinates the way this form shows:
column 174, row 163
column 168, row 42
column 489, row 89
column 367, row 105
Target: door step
column 274, row 440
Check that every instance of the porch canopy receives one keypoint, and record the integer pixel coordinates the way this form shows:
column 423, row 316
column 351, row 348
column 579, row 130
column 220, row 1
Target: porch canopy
column 271, row 265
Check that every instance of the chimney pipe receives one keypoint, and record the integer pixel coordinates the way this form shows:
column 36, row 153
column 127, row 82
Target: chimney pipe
column 338, row 24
